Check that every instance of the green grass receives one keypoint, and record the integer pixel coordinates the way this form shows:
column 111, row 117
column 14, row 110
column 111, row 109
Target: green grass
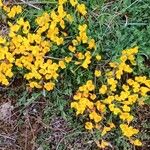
column 115, row 25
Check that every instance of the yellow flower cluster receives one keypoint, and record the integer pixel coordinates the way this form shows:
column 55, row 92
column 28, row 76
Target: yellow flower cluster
column 12, row 12
column 30, row 51
column 6, row 60
column 83, row 58
column 129, row 131
column 79, row 7
column 116, row 96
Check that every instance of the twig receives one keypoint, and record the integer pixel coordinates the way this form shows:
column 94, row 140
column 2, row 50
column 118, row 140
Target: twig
column 137, row 24
column 53, row 58
column 28, row 3
column 32, row 2
column 6, row 137
column 68, row 136
column 123, row 10
column 126, row 20
column 26, row 139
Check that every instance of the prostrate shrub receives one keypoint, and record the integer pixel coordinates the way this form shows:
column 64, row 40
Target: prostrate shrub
column 42, row 49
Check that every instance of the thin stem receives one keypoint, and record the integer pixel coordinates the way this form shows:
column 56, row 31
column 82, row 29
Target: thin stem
column 29, row 3
column 33, row 2
column 53, row 58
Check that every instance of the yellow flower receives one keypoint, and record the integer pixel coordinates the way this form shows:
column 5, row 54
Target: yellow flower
column 59, row 41
column 119, row 74
column 14, row 11
column 75, row 42
column 73, row 2
column 77, row 96
column 62, row 24
column 69, row 17
column 91, row 44
column 112, row 81
column 100, row 107
column 94, row 116
column 49, row 86
column 132, row 99
column 43, row 20
column 126, row 117
column 128, row 69
column 103, row 89
column 98, row 57
column 35, row 84
column 86, row 63
column 97, row 73
column 112, row 107
column 141, row 102
column 80, row 56
column 18, row 9
column 74, row 105
column 128, row 131
column 26, row 27
column 113, row 88
column 82, row 88
column 80, row 110
column 116, row 111
column 126, row 108
column 72, row 48
column 92, row 96
column 125, row 87
column 5, row 82
column 1, row 4
column 6, row 8
column 81, row 106
column 77, row 63
column 83, row 37
column 123, row 58
column 109, row 74
column 81, row 9
column 112, row 125
column 2, row 40
column 68, row 59
column 82, row 28
column 105, row 130
column 89, row 104
column 136, row 142
column 62, row 64
column 113, row 64
column 9, row 73
column 130, row 82
column 64, row 34
column 103, row 144
column 85, row 93
column 134, row 50
column 90, row 86
column 144, row 90
column 108, row 100
column 61, row 2
column 89, row 126
column 141, row 79
column 88, row 55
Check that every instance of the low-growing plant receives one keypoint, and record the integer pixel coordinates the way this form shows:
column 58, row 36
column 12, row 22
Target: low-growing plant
column 31, row 50
column 59, row 40
column 109, row 101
